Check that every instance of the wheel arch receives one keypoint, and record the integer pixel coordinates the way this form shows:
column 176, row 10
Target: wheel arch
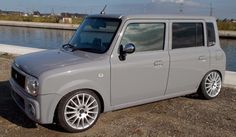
column 218, row 71
column 94, row 91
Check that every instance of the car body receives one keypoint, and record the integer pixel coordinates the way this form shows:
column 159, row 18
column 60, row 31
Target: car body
column 159, row 62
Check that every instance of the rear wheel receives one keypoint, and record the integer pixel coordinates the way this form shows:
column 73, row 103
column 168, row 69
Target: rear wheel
column 211, row 85
column 79, row 111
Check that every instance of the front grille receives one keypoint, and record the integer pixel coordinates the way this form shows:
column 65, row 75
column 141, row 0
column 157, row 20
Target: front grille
column 18, row 77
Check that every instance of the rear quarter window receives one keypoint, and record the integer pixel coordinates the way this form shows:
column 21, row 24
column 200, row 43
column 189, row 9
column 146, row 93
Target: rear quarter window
column 211, row 37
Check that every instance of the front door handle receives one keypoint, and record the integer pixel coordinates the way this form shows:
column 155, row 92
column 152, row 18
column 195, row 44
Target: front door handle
column 202, row 58
column 158, row 63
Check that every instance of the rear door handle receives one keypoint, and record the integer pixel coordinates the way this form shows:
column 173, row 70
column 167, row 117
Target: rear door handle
column 202, row 58
column 158, row 63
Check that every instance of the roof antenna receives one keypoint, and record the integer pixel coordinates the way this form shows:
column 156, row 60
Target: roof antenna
column 103, row 10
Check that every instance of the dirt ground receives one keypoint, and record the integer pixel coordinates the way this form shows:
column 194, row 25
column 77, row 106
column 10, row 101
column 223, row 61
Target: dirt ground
column 182, row 116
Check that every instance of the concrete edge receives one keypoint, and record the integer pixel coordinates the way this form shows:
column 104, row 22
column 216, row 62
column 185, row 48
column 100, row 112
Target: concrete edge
column 227, row 34
column 17, row 50
column 39, row 25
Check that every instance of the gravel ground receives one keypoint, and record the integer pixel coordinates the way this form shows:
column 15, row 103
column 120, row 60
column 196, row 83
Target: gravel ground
column 182, row 116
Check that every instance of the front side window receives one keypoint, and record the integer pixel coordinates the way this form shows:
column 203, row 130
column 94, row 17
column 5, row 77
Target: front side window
column 95, row 34
column 210, row 34
column 187, row 35
column 145, row 36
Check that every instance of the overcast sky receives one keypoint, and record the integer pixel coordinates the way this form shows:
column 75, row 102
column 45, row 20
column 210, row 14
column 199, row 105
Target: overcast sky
column 221, row 8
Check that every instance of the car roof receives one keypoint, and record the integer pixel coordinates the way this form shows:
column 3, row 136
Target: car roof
column 152, row 16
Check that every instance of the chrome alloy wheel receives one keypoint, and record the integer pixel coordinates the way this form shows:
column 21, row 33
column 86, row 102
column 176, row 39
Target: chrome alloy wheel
column 81, row 111
column 213, row 84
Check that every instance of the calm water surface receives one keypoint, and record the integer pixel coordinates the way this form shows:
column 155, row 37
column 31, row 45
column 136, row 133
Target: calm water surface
column 229, row 46
column 33, row 37
column 52, row 39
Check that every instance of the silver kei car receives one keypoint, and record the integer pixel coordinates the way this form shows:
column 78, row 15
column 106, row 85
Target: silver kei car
column 114, row 62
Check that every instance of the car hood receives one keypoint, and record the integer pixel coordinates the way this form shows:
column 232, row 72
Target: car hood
column 39, row 62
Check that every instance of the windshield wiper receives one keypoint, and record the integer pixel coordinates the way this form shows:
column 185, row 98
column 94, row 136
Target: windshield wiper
column 68, row 45
column 87, row 49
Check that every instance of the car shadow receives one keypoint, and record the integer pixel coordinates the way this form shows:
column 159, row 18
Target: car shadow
column 10, row 111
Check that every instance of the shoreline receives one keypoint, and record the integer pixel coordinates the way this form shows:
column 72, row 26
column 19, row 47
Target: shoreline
column 39, row 25
column 222, row 33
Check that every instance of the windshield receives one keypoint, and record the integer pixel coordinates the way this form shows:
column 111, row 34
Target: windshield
column 95, row 34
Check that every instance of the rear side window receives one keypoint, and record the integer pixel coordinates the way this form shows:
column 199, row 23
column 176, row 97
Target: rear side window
column 211, row 34
column 187, row 35
column 145, row 36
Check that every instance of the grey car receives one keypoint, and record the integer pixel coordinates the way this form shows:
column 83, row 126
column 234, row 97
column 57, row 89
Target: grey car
column 114, row 62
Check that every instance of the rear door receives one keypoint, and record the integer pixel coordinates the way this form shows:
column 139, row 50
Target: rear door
column 143, row 75
column 189, row 56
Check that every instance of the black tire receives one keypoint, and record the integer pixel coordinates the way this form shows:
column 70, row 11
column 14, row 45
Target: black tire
column 61, row 110
column 203, row 89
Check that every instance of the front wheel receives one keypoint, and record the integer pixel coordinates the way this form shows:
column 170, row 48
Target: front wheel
column 211, row 85
column 79, row 111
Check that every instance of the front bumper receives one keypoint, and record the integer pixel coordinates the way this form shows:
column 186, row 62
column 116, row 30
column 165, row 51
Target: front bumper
column 27, row 103
column 44, row 105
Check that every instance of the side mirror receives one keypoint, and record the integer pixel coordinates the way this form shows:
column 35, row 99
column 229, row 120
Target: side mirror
column 127, row 49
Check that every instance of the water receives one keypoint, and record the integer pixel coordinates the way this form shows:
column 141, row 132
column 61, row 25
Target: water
column 52, row 39
column 229, row 47
column 33, row 37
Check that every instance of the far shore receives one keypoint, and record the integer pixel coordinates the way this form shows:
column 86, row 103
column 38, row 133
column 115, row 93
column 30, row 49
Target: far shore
column 60, row 26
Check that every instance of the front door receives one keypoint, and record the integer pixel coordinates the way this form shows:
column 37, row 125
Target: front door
column 143, row 74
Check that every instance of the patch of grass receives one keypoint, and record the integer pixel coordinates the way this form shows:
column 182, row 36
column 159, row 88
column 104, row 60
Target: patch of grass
column 52, row 19
column 77, row 20
column 29, row 18
column 226, row 25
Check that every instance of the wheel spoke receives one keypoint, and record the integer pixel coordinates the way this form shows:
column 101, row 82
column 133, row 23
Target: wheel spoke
column 74, row 103
column 91, row 117
column 87, row 100
column 86, row 119
column 71, row 107
column 212, row 92
column 78, row 99
column 91, row 112
column 211, row 76
column 71, row 117
column 208, row 86
column 73, row 122
column 83, row 122
column 83, row 99
column 209, row 90
column 71, row 112
column 93, row 107
column 78, row 123
column 91, row 103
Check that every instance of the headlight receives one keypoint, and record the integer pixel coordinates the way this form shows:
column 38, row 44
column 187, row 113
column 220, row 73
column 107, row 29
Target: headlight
column 32, row 85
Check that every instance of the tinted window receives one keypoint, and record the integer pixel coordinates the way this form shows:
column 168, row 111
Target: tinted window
column 145, row 37
column 211, row 33
column 95, row 34
column 187, row 35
